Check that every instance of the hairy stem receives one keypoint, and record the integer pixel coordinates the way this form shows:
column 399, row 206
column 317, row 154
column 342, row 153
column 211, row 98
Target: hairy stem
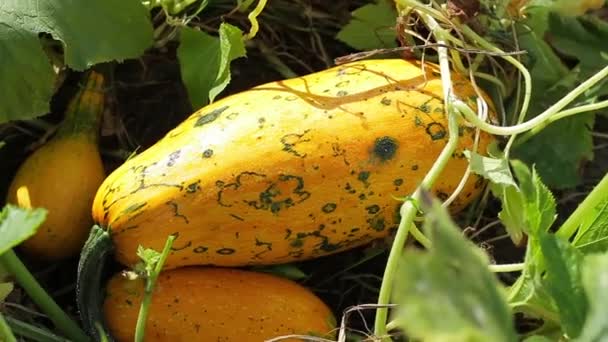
column 149, row 288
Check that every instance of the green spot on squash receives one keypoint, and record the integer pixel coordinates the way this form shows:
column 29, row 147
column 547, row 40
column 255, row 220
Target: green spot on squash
column 208, row 153
column 385, row 148
column 329, row 207
column 436, row 131
column 210, row 117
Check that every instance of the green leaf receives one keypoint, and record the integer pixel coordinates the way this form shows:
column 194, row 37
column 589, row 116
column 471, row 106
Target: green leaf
column 595, row 275
column 540, row 209
column 496, row 170
column 557, row 159
column 232, row 46
column 512, row 214
column 592, row 236
column 448, row 293
column 529, row 207
column 563, row 281
column 18, row 224
column 503, row 186
column 529, row 294
column 371, row 27
column 205, row 61
column 149, row 260
column 87, row 40
column 28, row 83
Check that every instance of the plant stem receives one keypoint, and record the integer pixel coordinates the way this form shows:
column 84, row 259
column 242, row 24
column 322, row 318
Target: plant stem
column 5, row 331
column 538, row 123
column 408, row 210
column 150, row 282
column 32, row 332
column 574, row 221
column 554, row 110
column 253, row 19
column 560, row 115
column 63, row 322
column 507, row 267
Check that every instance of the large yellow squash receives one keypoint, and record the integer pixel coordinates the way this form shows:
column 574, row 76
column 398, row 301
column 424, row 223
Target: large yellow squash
column 289, row 170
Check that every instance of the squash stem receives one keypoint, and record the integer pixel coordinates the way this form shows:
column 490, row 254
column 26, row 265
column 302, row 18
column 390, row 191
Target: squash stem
column 84, row 111
column 150, row 283
column 31, row 332
column 63, row 322
column 5, row 331
column 408, row 210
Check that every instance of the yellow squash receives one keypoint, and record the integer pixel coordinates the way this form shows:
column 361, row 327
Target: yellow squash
column 215, row 304
column 63, row 176
column 289, row 170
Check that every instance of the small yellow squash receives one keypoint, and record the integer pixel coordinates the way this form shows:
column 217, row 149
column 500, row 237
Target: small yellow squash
column 216, row 304
column 63, row 176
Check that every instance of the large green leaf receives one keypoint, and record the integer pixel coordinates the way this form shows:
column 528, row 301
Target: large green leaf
column 448, row 293
column 91, row 32
column 26, row 76
column 559, row 150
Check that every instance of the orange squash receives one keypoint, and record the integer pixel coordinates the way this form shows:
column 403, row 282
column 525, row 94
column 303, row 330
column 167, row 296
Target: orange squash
column 290, row 170
column 215, row 304
column 63, row 176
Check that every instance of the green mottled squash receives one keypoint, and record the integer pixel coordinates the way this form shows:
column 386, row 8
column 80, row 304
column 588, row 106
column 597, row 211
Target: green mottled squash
column 63, row 176
column 215, row 304
column 289, row 170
